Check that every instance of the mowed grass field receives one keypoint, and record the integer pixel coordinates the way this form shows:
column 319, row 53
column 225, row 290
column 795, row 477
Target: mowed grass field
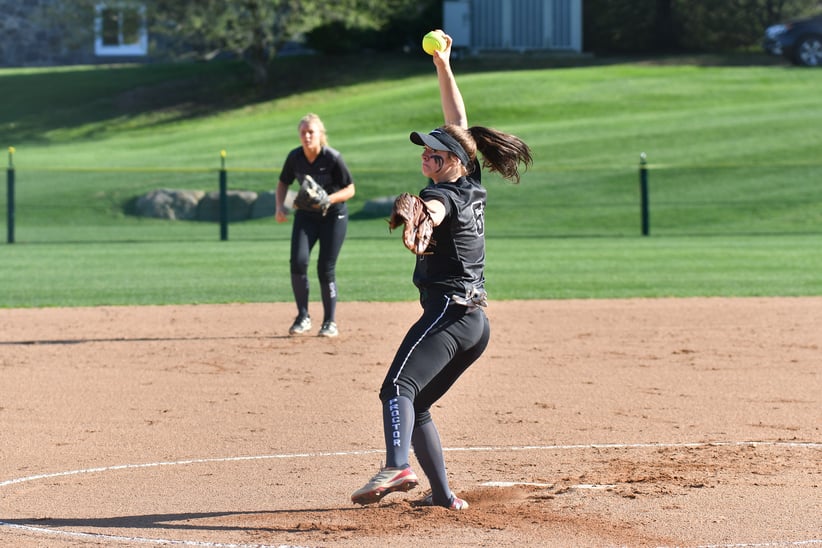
column 734, row 157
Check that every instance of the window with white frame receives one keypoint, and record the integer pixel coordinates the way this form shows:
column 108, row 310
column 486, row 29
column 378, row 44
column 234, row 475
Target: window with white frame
column 120, row 29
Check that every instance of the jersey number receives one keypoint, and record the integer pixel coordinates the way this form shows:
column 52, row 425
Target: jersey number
column 479, row 217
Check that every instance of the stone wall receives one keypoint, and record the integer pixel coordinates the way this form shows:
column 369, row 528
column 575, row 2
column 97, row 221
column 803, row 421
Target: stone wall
column 196, row 205
column 27, row 39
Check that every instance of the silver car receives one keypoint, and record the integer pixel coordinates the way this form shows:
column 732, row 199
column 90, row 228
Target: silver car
column 799, row 41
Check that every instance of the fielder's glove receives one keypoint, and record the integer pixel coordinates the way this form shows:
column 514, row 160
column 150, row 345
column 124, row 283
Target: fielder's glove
column 312, row 197
column 410, row 210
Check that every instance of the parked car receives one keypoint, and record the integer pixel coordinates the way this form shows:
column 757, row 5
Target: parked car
column 799, row 41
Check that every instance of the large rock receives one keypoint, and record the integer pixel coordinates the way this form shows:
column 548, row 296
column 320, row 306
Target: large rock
column 169, row 204
column 265, row 205
column 196, row 205
column 239, row 206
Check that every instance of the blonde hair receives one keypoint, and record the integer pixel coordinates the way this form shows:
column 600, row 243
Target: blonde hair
column 312, row 118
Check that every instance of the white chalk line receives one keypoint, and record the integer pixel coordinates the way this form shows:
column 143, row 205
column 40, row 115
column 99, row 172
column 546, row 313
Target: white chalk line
column 184, row 462
column 759, row 544
column 807, row 445
column 591, row 486
column 598, row 446
column 141, row 540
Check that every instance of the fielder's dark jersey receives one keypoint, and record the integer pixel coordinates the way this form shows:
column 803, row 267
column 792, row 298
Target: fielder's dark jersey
column 328, row 169
column 455, row 264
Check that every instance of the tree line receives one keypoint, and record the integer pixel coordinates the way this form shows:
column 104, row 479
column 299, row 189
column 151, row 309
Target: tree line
column 255, row 30
column 664, row 26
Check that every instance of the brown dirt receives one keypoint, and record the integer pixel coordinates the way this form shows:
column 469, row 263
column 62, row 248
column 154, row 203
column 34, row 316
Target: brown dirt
column 687, row 422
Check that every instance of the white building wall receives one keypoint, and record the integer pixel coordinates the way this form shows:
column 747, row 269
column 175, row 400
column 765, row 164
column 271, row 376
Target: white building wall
column 518, row 25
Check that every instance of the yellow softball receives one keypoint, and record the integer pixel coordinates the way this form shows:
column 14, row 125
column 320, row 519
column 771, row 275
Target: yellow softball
column 434, row 40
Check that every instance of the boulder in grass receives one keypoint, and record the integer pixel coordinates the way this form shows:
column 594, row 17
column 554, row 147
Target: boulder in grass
column 240, row 203
column 169, row 204
column 265, row 205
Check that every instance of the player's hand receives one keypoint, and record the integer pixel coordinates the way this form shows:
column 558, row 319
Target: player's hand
column 443, row 57
column 280, row 215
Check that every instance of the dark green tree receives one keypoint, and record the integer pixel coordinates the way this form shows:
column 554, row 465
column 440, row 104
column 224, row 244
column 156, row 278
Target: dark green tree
column 656, row 26
column 666, row 36
column 253, row 30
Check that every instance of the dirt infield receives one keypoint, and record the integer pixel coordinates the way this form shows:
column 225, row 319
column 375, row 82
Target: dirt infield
column 665, row 422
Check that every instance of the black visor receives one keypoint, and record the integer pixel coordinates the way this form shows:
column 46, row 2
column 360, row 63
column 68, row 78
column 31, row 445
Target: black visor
column 440, row 140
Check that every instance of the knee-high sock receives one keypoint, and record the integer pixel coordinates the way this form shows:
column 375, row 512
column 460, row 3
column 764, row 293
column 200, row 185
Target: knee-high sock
column 329, row 295
column 299, row 284
column 398, row 424
column 428, row 450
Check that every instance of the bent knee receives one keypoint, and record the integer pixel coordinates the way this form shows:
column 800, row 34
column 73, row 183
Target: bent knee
column 392, row 389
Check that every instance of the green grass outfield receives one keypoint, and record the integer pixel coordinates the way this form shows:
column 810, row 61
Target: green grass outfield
column 370, row 270
column 735, row 173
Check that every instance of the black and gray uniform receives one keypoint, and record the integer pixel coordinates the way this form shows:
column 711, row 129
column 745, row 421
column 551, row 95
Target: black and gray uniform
column 331, row 173
column 451, row 334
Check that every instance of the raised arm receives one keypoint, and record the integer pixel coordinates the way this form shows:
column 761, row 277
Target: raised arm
column 453, row 107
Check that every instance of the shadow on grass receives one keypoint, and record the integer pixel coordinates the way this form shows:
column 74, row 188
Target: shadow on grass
column 86, row 98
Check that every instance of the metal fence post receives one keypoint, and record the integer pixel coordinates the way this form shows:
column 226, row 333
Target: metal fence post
column 643, row 191
column 10, row 197
column 223, row 198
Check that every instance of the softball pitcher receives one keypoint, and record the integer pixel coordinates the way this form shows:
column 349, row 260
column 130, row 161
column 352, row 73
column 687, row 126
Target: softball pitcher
column 453, row 330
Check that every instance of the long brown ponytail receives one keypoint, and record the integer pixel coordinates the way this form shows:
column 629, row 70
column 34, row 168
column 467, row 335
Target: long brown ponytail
column 501, row 152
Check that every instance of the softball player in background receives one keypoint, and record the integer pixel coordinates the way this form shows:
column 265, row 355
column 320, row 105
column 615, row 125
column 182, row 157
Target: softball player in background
column 315, row 158
column 453, row 330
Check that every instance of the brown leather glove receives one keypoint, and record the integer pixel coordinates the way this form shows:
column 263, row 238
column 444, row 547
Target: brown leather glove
column 410, row 210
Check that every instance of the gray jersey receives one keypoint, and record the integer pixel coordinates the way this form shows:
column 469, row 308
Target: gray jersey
column 455, row 264
column 328, row 169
